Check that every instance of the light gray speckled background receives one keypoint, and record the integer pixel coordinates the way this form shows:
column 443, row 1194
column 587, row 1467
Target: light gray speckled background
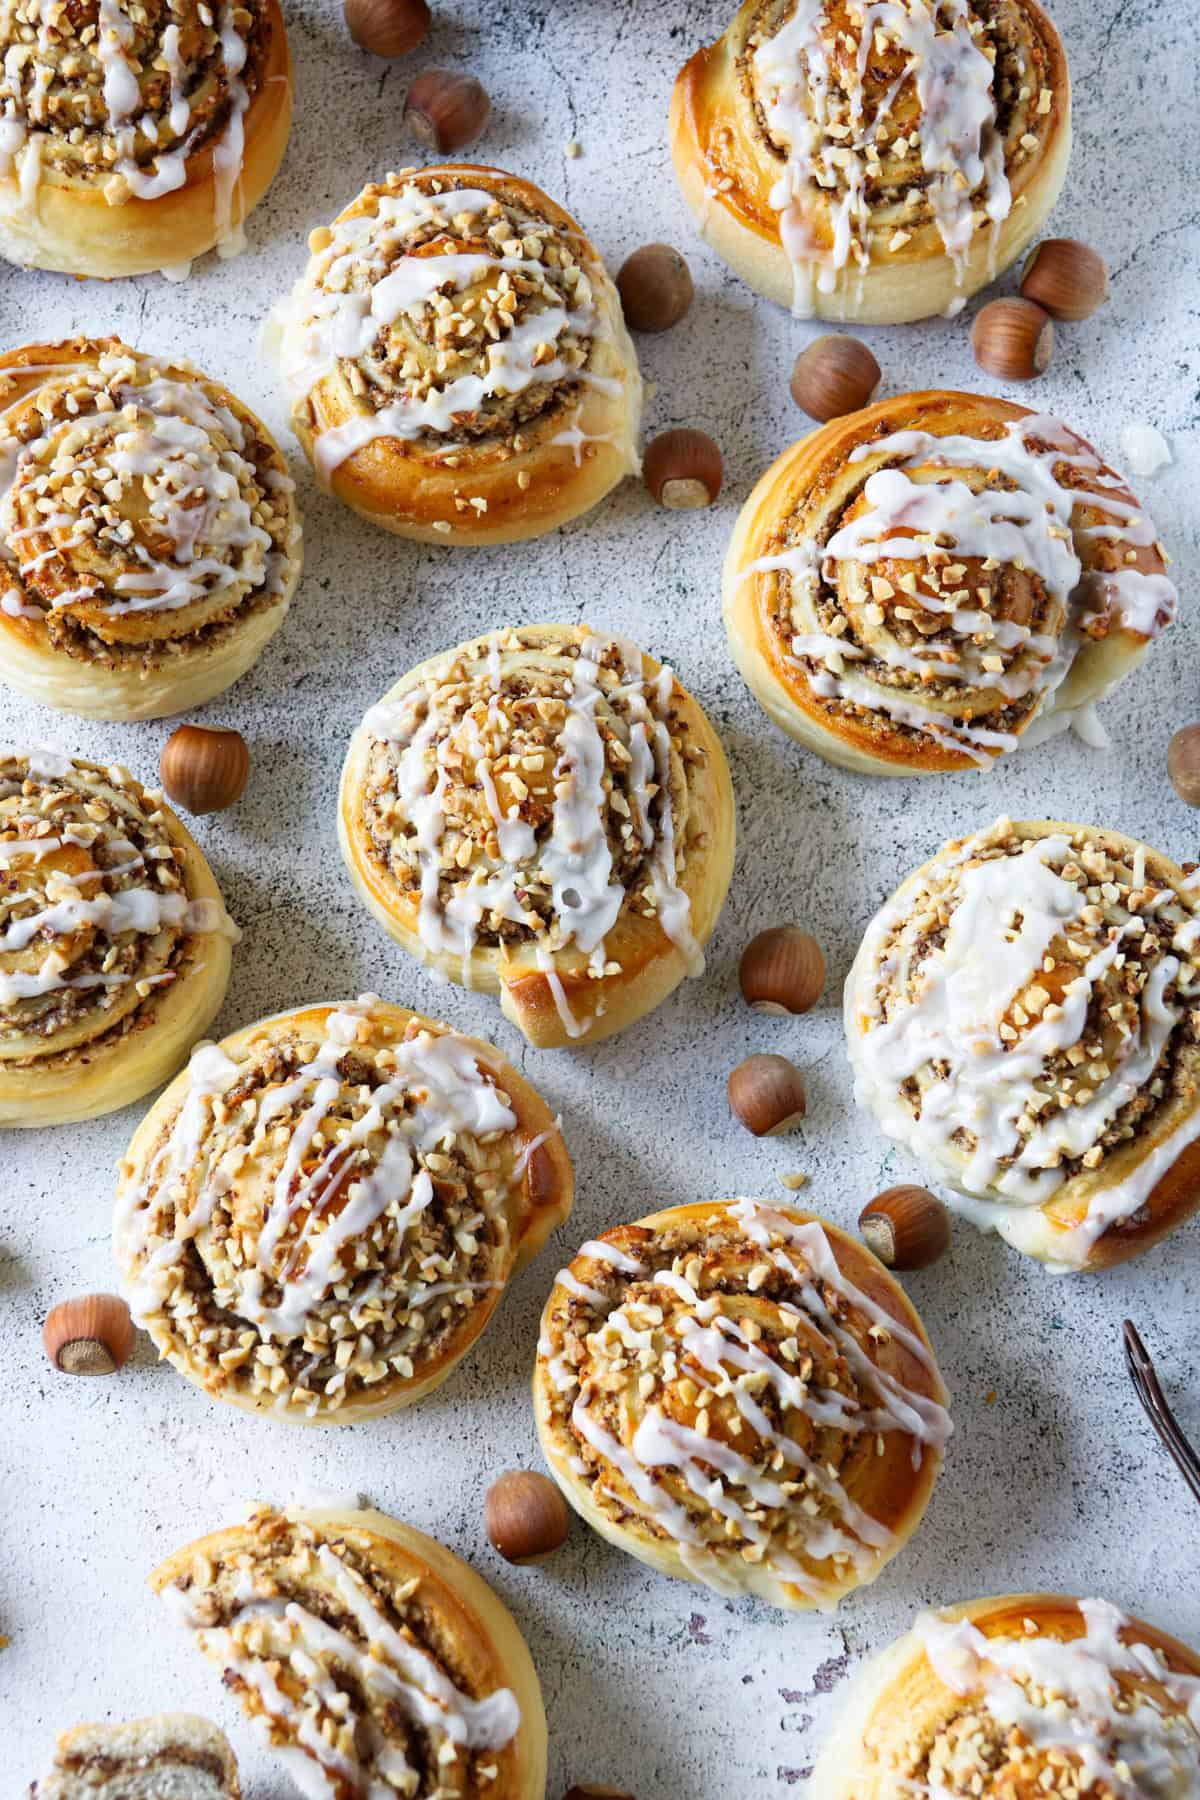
column 667, row 1689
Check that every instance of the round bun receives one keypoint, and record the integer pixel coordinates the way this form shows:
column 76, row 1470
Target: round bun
column 938, row 579
column 741, row 1395
column 877, row 180
column 328, row 1248
column 149, row 538
column 1023, row 1018
column 135, row 138
column 456, row 359
column 114, row 944
column 546, row 814
column 1022, row 1695
column 371, row 1657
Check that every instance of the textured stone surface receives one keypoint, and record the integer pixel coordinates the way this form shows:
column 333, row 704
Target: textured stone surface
column 1053, row 1479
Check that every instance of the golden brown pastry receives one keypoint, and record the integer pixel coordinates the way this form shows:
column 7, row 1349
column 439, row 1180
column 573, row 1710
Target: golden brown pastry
column 1024, row 1017
column 172, row 1756
column 137, row 136
column 546, row 814
column 372, row 1659
column 741, row 1395
column 318, row 1218
column 114, row 943
column 456, row 360
column 929, row 583
column 149, row 538
column 1025, row 1697
column 874, row 162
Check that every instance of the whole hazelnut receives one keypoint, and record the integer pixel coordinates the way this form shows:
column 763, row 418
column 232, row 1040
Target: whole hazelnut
column 905, row 1227
column 834, row 375
column 90, row 1335
column 387, row 27
column 202, row 769
column 1013, row 339
column 683, row 469
column 1066, row 278
column 1183, row 764
column 446, row 111
column 782, row 970
column 766, row 1093
column 525, row 1516
column 655, row 285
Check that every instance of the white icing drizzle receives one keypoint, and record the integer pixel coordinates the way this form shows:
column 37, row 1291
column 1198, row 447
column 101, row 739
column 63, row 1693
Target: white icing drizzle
column 1091, row 1698
column 390, row 1667
column 573, row 859
column 25, row 132
column 960, row 149
column 979, row 1105
column 1028, row 527
column 728, row 1483
column 435, row 1090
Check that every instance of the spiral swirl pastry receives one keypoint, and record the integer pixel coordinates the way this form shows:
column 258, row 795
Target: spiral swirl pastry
column 149, row 538
column 373, row 1661
column 929, row 583
column 740, row 1395
column 1024, row 1016
column 114, row 944
column 545, row 814
column 456, row 359
column 1019, row 1697
column 137, row 134
column 318, row 1218
column 877, row 160
column 176, row 1755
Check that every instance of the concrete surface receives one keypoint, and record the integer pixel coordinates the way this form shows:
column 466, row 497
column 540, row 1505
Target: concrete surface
column 1054, row 1478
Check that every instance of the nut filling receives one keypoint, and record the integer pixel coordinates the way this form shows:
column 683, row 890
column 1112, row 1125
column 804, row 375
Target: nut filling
column 121, row 96
column 933, row 587
column 721, row 1386
column 358, row 1674
column 890, row 122
column 454, row 315
column 97, row 918
column 144, row 514
column 1098, row 1716
column 323, row 1220
column 1030, row 1014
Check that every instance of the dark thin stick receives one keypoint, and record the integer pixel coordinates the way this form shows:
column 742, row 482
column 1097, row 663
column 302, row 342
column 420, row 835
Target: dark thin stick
column 1149, row 1391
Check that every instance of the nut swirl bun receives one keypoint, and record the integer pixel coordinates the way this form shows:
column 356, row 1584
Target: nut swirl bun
column 1022, row 1697
column 931, row 582
column 149, row 538
column 877, row 162
column 457, row 362
column 372, row 1659
column 546, row 814
column 741, row 1395
column 1023, row 1016
column 318, row 1218
column 137, row 134
column 114, row 943
column 172, row 1756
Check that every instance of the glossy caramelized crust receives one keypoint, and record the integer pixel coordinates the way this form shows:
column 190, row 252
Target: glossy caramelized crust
column 456, row 359
column 1024, row 1017
column 546, row 814
column 741, row 1395
column 137, row 134
column 874, row 163
column 1019, row 1698
column 172, row 1756
column 114, row 943
column 928, row 583
column 319, row 1217
column 149, row 538
column 372, row 1659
